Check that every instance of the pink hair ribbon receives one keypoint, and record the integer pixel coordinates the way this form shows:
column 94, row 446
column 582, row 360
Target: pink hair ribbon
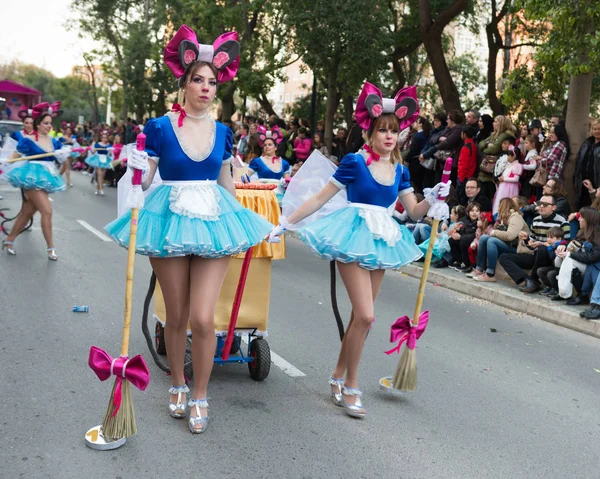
column 371, row 104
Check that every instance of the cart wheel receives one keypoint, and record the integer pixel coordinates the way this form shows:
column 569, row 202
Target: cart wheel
column 260, row 367
column 234, row 347
column 159, row 339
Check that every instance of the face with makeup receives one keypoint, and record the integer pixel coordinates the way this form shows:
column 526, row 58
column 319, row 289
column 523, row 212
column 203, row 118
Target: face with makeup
column 269, row 148
column 28, row 124
column 201, row 87
column 45, row 125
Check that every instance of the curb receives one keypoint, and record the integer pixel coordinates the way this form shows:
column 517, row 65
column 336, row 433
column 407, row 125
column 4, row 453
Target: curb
column 565, row 316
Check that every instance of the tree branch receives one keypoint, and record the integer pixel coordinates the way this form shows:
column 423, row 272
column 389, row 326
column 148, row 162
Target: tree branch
column 401, row 52
column 446, row 15
column 519, row 45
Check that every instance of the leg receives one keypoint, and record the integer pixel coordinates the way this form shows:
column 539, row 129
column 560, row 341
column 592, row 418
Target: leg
column 173, row 275
column 100, row 180
column 40, row 201
column 206, row 278
column 541, row 259
column 341, row 366
column 543, row 275
column 513, row 264
column 482, row 252
column 454, row 250
column 465, row 244
column 495, row 247
column 65, row 169
column 26, row 213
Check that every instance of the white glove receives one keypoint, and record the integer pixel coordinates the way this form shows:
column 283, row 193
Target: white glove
column 245, row 179
column 276, row 232
column 62, row 154
column 138, row 160
column 441, row 189
column 439, row 211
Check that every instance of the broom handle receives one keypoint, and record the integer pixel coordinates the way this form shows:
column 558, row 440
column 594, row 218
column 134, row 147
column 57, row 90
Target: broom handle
column 137, row 180
column 423, row 283
column 434, row 229
column 42, row 155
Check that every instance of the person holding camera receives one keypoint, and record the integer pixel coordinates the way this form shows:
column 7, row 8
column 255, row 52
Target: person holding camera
column 531, row 251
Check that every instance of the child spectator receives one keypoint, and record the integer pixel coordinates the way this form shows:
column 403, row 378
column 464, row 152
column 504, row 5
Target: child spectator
column 548, row 274
column 460, row 240
column 509, row 179
column 302, row 145
column 467, row 160
column 503, row 159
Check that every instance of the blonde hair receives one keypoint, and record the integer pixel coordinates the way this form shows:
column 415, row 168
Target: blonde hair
column 387, row 121
column 504, row 124
column 506, row 207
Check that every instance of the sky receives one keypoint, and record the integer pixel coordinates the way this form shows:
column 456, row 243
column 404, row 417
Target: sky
column 23, row 22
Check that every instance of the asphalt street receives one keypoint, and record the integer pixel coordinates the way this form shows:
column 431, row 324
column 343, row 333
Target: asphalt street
column 500, row 394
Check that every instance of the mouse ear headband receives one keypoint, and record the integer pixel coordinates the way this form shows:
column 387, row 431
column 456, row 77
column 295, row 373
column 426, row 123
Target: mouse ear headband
column 42, row 108
column 25, row 112
column 262, row 134
column 184, row 49
column 371, row 104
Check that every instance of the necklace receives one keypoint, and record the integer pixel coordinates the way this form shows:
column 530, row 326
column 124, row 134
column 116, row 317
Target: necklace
column 196, row 117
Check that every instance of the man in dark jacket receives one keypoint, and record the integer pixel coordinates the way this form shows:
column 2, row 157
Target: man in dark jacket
column 473, row 192
column 588, row 168
column 354, row 140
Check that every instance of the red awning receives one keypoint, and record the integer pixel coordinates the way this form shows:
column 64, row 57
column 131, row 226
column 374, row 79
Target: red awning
column 9, row 86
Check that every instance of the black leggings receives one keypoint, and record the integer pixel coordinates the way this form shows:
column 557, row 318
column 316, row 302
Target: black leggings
column 460, row 248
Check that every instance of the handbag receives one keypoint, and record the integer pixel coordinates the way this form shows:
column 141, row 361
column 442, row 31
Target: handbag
column 428, row 164
column 443, row 155
column 540, row 177
column 488, row 163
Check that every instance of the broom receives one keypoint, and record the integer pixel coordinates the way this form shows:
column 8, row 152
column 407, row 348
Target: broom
column 119, row 420
column 405, row 378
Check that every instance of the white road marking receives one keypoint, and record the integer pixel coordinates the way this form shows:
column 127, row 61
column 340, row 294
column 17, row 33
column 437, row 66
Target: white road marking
column 289, row 369
column 91, row 229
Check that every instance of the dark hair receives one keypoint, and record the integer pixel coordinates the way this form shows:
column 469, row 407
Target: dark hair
column 510, row 139
column 535, row 140
column 550, row 196
column 260, row 121
column 592, row 224
column 472, row 206
column 516, row 153
column 475, row 112
column 561, row 132
column 281, row 123
column 469, row 131
column 456, row 116
column 39, row 119
column 459, row 210
column 426, row 125
column 488, row 126
column 558, row 190
column 441, row 117
column 521, row 201
column 245, row 126
column 475, row 180
column 303, row 130
column 555, row 232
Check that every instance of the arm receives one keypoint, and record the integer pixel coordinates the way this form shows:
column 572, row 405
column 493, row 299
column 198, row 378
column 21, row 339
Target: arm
column 556, row 158
column 517, row 171
column 225, row 179
column 587, row 257
column 452, row 140
column 415, row 210
column 313, row 204
column 303, row 147
column 150, row 176
column 511, row 233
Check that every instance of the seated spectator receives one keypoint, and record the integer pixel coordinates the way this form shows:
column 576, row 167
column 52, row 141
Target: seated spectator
column 549, row 274
column 492, row 147
column 587, row 169
column 461, row 238
column 552, row 188
column 502, row 239
column 474, row 195
column 531, row 250
column 485, row 224
column 588, row 257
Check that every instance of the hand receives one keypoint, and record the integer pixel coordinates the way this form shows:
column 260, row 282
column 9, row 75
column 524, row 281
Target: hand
column 473, row 246
column 500, row 179
column 492, row 233
column 561, row 248
column 455, row 236
column 440, row 190
column 444, row 227
column 62, row 154
column 138, row 160
column 572, row 216
column 442, row 138
column 523, row 235
column 276, row 232
column 562, row 254
column 588, row 185
column 535, row 244
column 421, row 158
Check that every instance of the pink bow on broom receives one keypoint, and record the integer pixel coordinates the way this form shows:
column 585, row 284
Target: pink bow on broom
column 404, row 331
column 133, row 370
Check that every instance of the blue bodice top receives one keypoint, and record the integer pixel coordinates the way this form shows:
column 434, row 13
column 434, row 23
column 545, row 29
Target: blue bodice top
column 178, row 162
column 28, row 147
column 101, row 149
column 258, row 166
column 64, row 141
column 17, row 135
column 354, row 175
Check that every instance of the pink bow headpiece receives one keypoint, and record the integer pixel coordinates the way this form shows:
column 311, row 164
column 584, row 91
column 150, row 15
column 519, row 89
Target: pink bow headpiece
column 404, row 331
column 46, row 108
column 371, row 104
column 184, row 49
column 25, row 112
column 133, row 370
column 262, row 134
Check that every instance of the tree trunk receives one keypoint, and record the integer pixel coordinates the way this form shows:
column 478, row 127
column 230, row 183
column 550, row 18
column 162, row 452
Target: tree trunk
column 399, row 71
column 266, row 104
column 578, row 115
column 441, row 73
column 124, row 109
column 332, row 104
column 227, row 104
column 493, row 49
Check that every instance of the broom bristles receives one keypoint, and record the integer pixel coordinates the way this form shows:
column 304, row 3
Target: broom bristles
column 121, row 424
column 405, row 378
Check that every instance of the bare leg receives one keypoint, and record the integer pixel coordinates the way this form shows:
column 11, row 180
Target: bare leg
column 65, row 169
column 206, row 279
column 340, row 368
column 100, row 179
column 26, row 213
column 173, row 275
column 40, row 200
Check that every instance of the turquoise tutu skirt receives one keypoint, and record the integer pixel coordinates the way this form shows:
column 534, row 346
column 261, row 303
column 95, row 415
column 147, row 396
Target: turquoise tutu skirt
column 369, row 237
column 36, row 175
column 98, row 161
column 187, row 220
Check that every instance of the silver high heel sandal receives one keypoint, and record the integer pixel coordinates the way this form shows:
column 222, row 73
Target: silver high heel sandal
column 178, row 409
column 194, row 422
column 336, row 391
column 357, row 409
column 9, row 247
column 52, row 256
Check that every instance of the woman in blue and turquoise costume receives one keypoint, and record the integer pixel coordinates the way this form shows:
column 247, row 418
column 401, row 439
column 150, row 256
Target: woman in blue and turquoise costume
column 191, row 224
column 268, row 165
column 100, row 161
column 39, row 177
column 362, row 237
column 68, row 139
